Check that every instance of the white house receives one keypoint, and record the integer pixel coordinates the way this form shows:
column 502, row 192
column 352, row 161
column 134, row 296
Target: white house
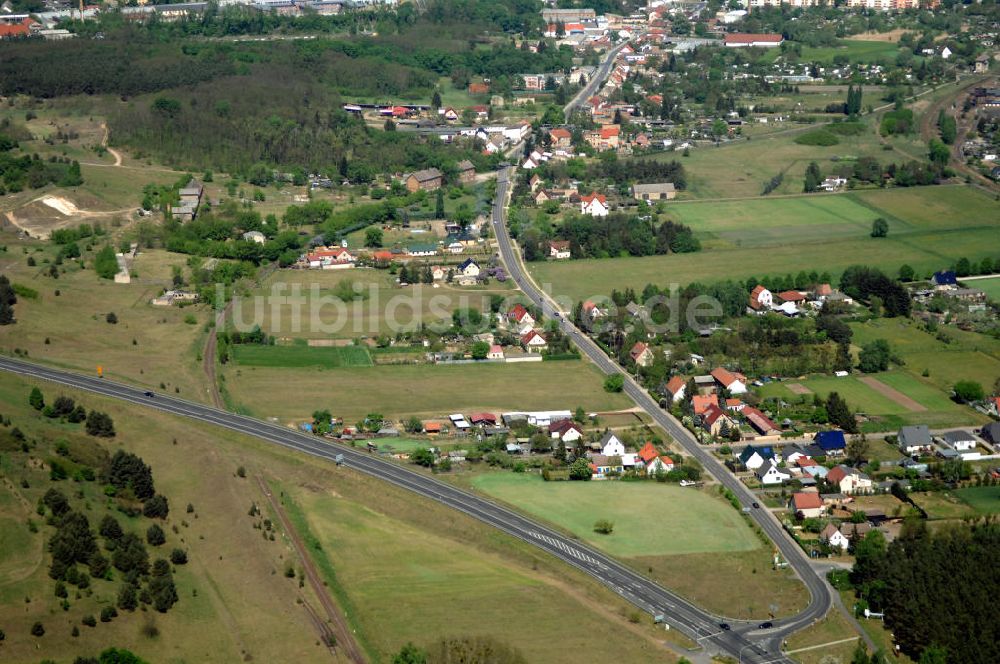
column 596, row 205
column 769, row 474
column 438, row 272
column 833, row 537
column 468, row 268
column 735, row 383
column 914, row 439
column 660, row 463
column 534, row 341
column 611, row 445
column 960, row 441
column 496, row 352
column 567, row 431
column 761, row 299
column 850, row 480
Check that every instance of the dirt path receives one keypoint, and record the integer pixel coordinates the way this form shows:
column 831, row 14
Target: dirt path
column 336, row 621
column 104, row 143
column 892, row 394
column 208, row 355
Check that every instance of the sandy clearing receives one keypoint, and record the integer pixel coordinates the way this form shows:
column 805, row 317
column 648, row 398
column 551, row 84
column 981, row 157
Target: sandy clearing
column 60, row 204
column 798, row 388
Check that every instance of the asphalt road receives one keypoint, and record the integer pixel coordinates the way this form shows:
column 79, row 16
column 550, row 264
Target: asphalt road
column 743, row 638
column 820, row 592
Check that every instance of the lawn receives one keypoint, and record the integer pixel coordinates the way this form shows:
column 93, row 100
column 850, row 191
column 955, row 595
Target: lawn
column 944, row 505
column 301, row 356
column 824, row 232
column 834, row 627
column 686, row 520
column 407, row 584
column 991, row 286
column 983, row 499
column 422, row 390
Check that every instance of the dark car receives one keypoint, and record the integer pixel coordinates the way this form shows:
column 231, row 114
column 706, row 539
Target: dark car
column 724, row 627
column 765, row 625
column 756, row 506
column 148, row 394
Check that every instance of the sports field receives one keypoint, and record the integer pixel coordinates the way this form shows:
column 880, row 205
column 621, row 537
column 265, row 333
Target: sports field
column 292, row 394
column 301, row 356
column 650, row 518
column 929, row 228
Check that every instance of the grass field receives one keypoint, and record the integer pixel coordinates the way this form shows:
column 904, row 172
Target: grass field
column 990, row 286
column 831, row 629
column 687, row 520
column 423, row 390
column 301, row 356
column 858, row 50
column 785, row 235
column 148, row 346
column 983, row 499
column 946, row 505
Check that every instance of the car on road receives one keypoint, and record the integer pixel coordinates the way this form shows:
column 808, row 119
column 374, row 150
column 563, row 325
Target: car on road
column 724, row 627
column 765, row 625
column 148, row 394
column 756, row 506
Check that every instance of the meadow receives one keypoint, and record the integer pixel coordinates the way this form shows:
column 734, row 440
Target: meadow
column 984, row 499
column 990, row 286
column 687, row 539
column 929, row 228
column 301, row 356
column 421, row 390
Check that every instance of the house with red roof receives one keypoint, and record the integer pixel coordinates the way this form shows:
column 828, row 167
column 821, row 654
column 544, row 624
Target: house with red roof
column 660, row 464
column 793, row 296
column 520, row 319
column 760, row 422
column 487, row 419
column 748, row 40
column 732, row 381
column 605, row 138
column 675, row 389
column 648, row 452
column 559, row 249
column 850, row 480
column 761, row 300
column 567, row 431
column 641, row 354
column 701, row 402
column 330, row 258
column 561, row 138
column 433, row 427
column 17, row 30
column 714, row 418
column 533, row 341
column 808, row 504
column 596, row 205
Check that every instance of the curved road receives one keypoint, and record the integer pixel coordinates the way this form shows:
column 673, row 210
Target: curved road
column 821, row 594
column 629, row 584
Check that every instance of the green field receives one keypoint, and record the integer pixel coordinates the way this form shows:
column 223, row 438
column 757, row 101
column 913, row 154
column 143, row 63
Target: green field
column 650, row 519
column 941, row 505
column 990, row 286
column 301, row 356
column 422, row 390
column 983, row 499
column 929, row 228
column 858, row 50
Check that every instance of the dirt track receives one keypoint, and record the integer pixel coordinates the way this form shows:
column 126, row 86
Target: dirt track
column 894, row 395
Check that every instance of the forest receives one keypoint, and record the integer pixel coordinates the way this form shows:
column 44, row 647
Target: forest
column 937, row 589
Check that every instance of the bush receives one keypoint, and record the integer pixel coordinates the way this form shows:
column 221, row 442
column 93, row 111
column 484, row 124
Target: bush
column 820, row 137
column 108, row 613
column 155, row 535
column 968, row 391
column 604, row 527
column 89, row 621
column 38, row 629
column 614, row 383
column 178, row 557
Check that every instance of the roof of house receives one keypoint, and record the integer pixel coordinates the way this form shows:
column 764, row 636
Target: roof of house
column 666, row 461
column 701, row 402
column 712, row 414
column 991, row 432
column 944, row 278
column 518, row 312
column 654, row 188
column 648, row 452
column 829, row 532
column 610, row 131
column 22, row 29
column 476, row 418
column 530, row 335
column 957, row 436
column 587, row 200
column 724, row 376
column 432, row 426
column 465, row 165
column 562, row 426
column 755, row 297
column 823, row 290
column 751, row 38
column 638, row 349
column 915, row 435
column 830, row 440
column 806, row 500
column 425, row 175
column 791, row 296
column 840, row 471
column 560, row 133
column 758, row 420
column 467, row 263
column 675, row 385
column 765, row 452
column 559, row 245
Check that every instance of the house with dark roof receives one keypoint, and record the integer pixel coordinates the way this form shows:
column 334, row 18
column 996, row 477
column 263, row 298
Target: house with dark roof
column 466, row 171
column 991, row 433
column 944, row 280
column 428, row 179
column 567, row 431
column 714, row 419
column 754, row 457
column 960, row 441
column 831, row 442
column 915, row 439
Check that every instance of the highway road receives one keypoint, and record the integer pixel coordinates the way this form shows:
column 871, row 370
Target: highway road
column 742, row 639
column 821, row 594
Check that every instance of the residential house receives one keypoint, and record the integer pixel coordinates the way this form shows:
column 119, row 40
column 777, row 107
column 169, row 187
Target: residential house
column 831, row 442
column 596, row 205
column 468, row 268
column 809, row 467
column 603, row 466
column 495, row 353
column 760, row 422
column 770, row 474
column 795, row 297
column 850, row 480
column 559, row 249
column 433, row 427
column 438, row 272
column 663, row 191
column 915, row 439
column 761, row 300
column 605, row 138
column 535, row 182
column 421, row 249
column 735, row 404
column 567, row 431
column 449, row 114
column 561, row 138
column 944, row 280
column 648, row 452
column 855, row 531
column 960, row 441
column 641, row 354
column 330, row 258
column 611, row 445
column 521, row 318
column 714, row 419
column 428, row 179
column 660, row 464
column 734, row 382
column 793, row 453
column 991, row 433
column 533, row 341
column 466, row 171
column 831, row 536
column 753, row 458
column 807, row 503
column 675, row 389
column 702, row 402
